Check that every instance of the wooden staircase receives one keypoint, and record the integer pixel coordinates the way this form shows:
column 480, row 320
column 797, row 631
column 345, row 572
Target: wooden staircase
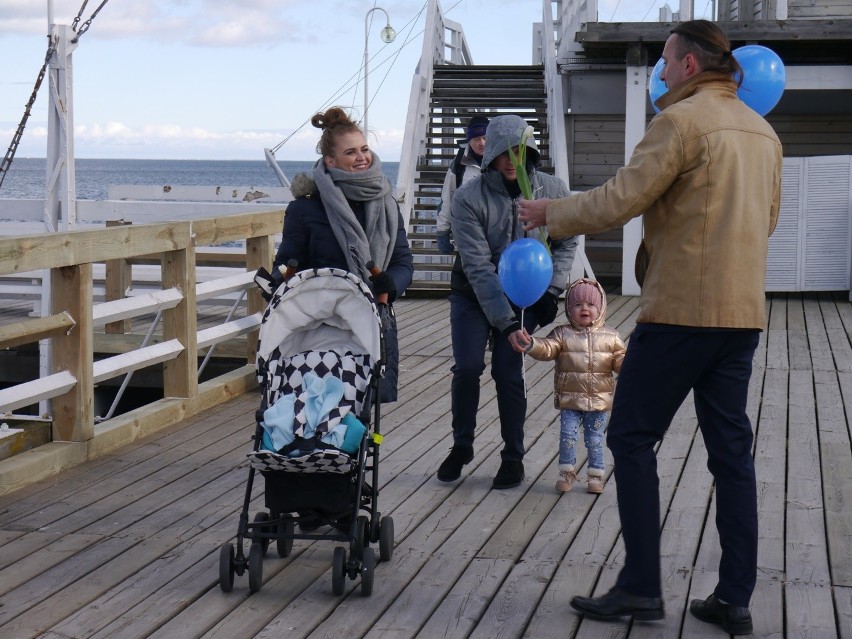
column 458, row 92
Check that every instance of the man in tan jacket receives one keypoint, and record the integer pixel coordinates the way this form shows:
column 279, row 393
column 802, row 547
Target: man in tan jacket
column 706, row 176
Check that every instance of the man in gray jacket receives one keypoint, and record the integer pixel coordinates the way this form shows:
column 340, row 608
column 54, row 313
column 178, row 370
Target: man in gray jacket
column 484, row 222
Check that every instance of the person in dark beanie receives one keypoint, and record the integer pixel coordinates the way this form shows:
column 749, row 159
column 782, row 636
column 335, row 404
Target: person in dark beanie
column 706, row 177
column 484, row 222
column 464, row 167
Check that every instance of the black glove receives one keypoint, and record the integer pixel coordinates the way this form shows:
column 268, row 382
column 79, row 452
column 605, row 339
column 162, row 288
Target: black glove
column 265, row 283
column 383, row 283
column 443, row 242
column 546, row 308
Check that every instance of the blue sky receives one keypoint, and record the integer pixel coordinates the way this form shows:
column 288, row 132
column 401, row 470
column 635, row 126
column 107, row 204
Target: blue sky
column 218, row 79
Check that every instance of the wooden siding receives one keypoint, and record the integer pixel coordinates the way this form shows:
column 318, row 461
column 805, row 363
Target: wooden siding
column 750, row 10
column 807, row 135
column 818, row 9
column 597, row 144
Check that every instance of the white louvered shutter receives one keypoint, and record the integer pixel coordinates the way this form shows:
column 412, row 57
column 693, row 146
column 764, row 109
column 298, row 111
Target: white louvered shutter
column 811, row 248
column 784, row 254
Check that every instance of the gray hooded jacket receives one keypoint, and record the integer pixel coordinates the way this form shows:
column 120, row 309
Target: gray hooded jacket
column 484, row 222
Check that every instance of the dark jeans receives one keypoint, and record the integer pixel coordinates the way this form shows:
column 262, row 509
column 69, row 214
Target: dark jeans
column 470, row 329
column 662, row 364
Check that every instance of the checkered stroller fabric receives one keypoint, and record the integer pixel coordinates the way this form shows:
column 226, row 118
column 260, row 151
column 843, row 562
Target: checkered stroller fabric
column 332, row 313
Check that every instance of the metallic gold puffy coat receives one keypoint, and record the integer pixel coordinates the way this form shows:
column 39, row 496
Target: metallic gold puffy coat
column 586, row 361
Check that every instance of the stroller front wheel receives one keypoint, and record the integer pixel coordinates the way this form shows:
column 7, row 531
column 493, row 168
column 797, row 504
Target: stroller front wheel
column 255, row 566
column 368, row 566
column 286, row 530
column 226, row 567
column 386, row 539
column 338, row 570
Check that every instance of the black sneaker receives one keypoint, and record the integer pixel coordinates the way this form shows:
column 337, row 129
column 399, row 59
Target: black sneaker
column 735, row 620
column 511, row 474
column 450, row 469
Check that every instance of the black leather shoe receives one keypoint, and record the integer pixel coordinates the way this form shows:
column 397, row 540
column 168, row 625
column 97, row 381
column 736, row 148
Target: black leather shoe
column 617, row 603
column 450, row 469
column 735, row 620
column 511, row 474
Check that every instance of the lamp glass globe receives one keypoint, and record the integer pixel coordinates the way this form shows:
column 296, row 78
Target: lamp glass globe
column 388, row 34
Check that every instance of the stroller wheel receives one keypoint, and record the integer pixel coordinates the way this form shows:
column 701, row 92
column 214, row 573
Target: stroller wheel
column 226, row 567
column 368, row 565
column 374, row 526
column 386, row 538
column 261, row 531
column 286, row 530
column 338, row 570
column 255, row 566
column 362, row 540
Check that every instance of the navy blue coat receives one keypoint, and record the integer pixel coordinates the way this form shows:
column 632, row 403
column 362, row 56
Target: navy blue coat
column 309, row 240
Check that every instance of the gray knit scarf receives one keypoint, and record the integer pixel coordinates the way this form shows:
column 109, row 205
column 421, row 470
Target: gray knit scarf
column 360, row 245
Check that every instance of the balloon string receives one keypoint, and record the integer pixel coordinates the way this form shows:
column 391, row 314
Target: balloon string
column 523, row 362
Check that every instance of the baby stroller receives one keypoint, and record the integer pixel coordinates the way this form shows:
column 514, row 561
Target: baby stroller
column 319, row 362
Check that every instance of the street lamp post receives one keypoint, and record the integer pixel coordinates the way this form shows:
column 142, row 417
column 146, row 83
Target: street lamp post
column 388, row 34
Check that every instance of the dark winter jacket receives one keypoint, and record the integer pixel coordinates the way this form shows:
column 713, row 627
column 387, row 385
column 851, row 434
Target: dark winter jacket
column 309, row 239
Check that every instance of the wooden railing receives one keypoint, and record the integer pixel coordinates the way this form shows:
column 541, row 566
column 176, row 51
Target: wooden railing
column 74, row 317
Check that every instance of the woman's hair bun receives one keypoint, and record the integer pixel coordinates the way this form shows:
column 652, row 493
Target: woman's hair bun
column 332, row 117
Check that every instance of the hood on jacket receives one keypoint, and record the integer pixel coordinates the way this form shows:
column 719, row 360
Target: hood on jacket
column 601, row 316
column 302, row 185
column 503, row 133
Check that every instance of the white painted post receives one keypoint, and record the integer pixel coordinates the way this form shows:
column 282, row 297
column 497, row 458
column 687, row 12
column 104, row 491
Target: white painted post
column 61, row 196
column 686, row 10
column 60, row 202
column 634, row 129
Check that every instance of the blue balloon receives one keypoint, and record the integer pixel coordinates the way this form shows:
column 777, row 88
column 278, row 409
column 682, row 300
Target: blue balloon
column 656, row 87
column 764, row 77
column 525, row 269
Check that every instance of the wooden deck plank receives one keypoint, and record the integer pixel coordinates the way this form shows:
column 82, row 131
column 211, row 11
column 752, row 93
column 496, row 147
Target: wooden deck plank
column 127, row 546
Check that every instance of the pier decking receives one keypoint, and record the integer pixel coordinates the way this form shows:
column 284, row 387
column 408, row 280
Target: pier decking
column 127, row 545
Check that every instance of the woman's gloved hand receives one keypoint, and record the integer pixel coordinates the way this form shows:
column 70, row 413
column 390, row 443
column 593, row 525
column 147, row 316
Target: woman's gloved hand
column 383, row 283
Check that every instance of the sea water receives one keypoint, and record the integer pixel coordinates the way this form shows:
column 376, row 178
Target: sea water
column 26, row 176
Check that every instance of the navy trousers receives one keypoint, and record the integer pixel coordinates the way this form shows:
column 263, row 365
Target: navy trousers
column 470, row 329
column 662, row 364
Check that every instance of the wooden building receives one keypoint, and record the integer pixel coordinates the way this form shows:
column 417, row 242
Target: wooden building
column 605, row 68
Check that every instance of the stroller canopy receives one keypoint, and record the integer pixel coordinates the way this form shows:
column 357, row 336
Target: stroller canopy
column 321, row 310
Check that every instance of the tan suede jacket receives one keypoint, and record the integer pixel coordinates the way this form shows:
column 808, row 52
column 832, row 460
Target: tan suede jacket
column 707, row 176
column 586, row 361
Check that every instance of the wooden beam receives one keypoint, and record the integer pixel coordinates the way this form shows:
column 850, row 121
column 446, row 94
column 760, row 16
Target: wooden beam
column 259, row 252
column 73, row 412
column 116, row 365
column 228, row 330
column 108, row 312
column 33, row 330
column 763, row 30
column 180, row 375
column 34, row 391
column 117, row 279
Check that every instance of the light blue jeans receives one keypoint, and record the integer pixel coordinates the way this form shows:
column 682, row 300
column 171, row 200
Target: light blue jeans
column 594, row 427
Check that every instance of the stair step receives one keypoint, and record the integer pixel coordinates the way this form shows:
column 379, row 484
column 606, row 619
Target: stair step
column 458, row 93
